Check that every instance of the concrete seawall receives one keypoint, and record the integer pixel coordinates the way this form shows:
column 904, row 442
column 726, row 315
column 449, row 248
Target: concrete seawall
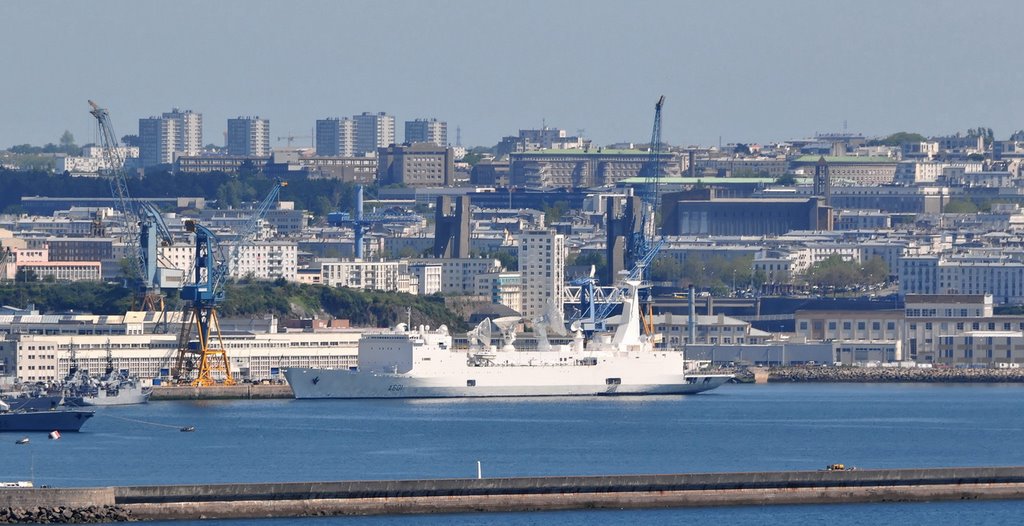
column 222, row 392
column 893, row 375
column 297, row 499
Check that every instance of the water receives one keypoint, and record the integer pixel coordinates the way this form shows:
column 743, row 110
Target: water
column 734, row 428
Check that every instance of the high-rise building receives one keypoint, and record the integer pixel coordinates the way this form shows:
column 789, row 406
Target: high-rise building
column 373, row 130
column 249, row 136
column 156, row 141
column 177, row 131
column 335, row 137
column 188, row 131
column 542, row 267
column 427, row 130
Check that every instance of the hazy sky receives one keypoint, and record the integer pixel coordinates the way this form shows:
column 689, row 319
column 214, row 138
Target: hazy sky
column 742, row 71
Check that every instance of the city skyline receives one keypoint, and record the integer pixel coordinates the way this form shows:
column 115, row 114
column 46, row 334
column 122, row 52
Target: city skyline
column 490, row 68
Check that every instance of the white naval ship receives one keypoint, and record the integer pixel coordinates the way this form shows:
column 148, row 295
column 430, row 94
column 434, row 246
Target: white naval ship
column 421, row 363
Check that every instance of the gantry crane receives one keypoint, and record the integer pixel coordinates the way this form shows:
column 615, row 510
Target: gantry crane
column 210, row 272
column 642, row 247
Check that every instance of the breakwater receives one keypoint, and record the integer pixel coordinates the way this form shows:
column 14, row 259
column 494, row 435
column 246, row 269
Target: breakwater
column 222, row 392
column 64, row 515
column 894, row 374
column 300, row 499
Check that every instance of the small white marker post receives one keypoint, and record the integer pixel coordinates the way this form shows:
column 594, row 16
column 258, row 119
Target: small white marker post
column 479, row 470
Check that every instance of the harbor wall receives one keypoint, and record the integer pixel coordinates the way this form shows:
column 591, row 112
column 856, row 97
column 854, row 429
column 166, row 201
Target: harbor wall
column 53, row 497
column 222, row 392
column 300, row 499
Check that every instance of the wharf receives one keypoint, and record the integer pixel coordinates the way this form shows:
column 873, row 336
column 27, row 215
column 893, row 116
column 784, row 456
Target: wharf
column 891, row 374
column 302, row 499
column 222, row 392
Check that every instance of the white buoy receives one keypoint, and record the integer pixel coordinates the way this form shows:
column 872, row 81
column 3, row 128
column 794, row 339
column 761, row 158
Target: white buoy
column 479, row 470
column 54, row 435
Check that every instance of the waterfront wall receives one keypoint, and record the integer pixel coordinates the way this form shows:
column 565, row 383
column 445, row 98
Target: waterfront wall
column 300, row 499
column 893, row 374
column 219, row 392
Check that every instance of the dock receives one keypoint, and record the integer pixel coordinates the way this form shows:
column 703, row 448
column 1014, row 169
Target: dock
column 520, row 494
column 222, row 392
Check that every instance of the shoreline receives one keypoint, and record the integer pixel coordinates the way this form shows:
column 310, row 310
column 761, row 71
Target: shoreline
column 848, row 374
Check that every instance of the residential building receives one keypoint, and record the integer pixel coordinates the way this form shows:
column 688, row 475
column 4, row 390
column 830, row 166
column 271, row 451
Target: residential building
column 93, row 160
column 373, row 131
column 335, row 137
column 177, row 131
column 387, row 276
column 940, row 274
column 427, row 130
column 504, row 288
column 427, row 277
column 542, row 266
column 249, row 136
column 458, row 275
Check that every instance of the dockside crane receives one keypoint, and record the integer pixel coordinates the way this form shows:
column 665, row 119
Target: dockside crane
column 210, row 271
column 137, row 226
column 642, row 247
column 361, row 222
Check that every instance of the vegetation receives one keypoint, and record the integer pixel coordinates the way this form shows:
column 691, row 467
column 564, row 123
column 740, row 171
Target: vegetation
column 960, row 206
column 835, row 273
column 595, row 259
column 247, row 299
column 983, row 132
column 786, row 180
column 362, row 308
column 715, row 273
column 555, row 212
column 897, row 139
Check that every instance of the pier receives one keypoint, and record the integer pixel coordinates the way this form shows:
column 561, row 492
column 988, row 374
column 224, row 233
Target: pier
column 222, row 392
column 300, row 499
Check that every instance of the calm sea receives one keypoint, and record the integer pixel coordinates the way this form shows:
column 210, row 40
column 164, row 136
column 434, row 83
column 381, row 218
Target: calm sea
column 735, row 428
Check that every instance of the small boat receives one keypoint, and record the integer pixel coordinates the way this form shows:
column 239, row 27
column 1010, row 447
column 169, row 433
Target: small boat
column 188, row 429
column 22, row 440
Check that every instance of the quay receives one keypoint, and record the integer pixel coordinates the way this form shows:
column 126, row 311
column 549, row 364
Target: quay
column 222, row 392
column 302, row 499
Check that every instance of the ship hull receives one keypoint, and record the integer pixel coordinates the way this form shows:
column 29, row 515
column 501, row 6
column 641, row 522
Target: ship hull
column 123, row 397
column 64, row 421
column 491, row 382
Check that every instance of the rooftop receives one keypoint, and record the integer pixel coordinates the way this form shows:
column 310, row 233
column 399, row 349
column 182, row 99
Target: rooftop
column 844, row 159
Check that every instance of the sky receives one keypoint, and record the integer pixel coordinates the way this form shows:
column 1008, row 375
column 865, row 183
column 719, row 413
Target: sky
column 731, row 71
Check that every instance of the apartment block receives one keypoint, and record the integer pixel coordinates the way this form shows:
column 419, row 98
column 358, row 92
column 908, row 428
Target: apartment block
column 249, row 136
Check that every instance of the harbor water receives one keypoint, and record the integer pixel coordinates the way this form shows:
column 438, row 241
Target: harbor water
column 771, row 427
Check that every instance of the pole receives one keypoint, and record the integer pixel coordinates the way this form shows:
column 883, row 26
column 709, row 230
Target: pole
column 479, row 470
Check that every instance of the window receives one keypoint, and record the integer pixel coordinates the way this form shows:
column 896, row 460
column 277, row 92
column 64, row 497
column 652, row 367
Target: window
column 470, row 383
column 613, row 381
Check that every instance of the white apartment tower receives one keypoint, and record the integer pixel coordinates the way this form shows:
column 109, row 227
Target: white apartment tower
column 249, row 136
column 335, row 137
column 542, row 270
column 427, row 130
column 177, row 131
column 373, row 130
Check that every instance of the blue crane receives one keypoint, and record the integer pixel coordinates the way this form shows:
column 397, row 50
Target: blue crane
column 641, row 247
column 139, row 219
column 206, row 291
column 361, row 222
